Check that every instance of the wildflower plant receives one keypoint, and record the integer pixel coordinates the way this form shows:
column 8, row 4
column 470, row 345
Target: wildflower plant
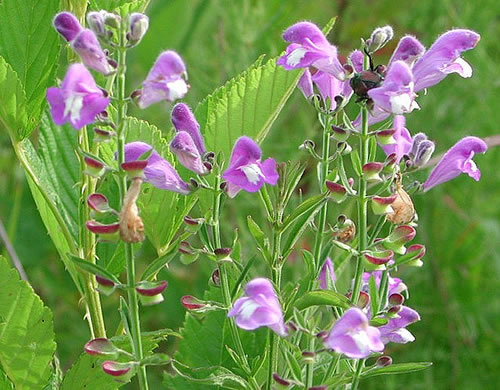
column 136, row 186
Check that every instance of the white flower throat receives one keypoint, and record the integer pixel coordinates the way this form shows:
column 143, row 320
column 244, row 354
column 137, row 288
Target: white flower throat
column 296, row 56
column 73, row 106
column 252, row 172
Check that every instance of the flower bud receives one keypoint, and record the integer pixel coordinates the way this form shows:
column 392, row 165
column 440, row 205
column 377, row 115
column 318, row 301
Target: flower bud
column 138, row 26
column 340, row 134
column 67, row 25
column 384, row 361
column 101, row 135
column 396, row 299
column 102, row 347
column 112, row 20
column 403, row 210
column 150, row 293
column 105, row 286
column 371, row 171
column 379, row 38
column 386, row 137
column 280, row 381
column 423, row 153
column 215, row 278
column 383, row 205
column 379, row 257
column 122, row 372
column 184, row 147
column 192, row 304
column 188, row 253
column 337, row 191
column 88, row 48
column 107, row 232
column 95, row 21
column 399, row 237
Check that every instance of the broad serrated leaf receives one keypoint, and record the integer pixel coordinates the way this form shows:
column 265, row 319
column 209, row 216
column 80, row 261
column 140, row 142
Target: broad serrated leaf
column 86, row 373
column 5, row 383
column 162, row 211
column 12, row 101
column 26, row 332
column 29, row 43
column 398, row 368
column 321, row 297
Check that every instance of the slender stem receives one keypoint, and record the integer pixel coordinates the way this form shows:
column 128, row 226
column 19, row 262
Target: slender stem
column 332, row 367
column 357, row 374
column 87, row 246
column 383, row 288
column 224, row 279
column 12, row 252
column 362, row 200
column 129, row 250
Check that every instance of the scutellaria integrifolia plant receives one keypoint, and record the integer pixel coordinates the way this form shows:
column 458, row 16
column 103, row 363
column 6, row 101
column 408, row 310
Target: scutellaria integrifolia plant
column 378, row 239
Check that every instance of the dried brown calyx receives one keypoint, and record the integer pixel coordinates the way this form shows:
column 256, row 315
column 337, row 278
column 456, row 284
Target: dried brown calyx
column 131, row 226
column 403, row 209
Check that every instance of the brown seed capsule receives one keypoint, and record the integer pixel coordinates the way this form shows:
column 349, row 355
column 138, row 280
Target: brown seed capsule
column 345, row 232
column 403, row 209
column 131, row 226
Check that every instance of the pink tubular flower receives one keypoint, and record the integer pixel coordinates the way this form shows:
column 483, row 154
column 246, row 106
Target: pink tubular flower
column 159, row 172
column 309, row 47
column 326, row 272
column 457, row 160
column 67, row 25
column 246, row 171
column 78, row 101
column 402, row 137
column 259, row 308
column 184, row 120
column 395, row 330
column 90, row 51
column 353, row 336
column 165, row 80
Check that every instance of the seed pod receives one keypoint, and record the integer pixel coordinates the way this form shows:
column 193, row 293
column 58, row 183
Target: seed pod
column 403, row 209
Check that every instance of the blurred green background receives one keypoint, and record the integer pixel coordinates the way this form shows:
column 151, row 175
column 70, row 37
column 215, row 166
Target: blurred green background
column 456, row 291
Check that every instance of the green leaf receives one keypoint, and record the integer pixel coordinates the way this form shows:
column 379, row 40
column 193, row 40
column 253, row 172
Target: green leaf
column 398, row 368
column 257, row 233
column 373, row 295
column 93, row 268
column 26, row 332
column 157, row 359
column 214, row 376
column 162, row 211
column 5, row 383
column 29, row 43
column 321, row 297
column 12, row 101
column 111, row 5
column 356, row 163
column 306, row 207
column 86, row 373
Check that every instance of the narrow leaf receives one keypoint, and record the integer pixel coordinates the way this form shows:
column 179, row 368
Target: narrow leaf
column 398, row 368
column 321, row 297
column 93, row 268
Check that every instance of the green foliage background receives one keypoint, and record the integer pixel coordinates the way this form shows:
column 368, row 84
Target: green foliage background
column 456, row 291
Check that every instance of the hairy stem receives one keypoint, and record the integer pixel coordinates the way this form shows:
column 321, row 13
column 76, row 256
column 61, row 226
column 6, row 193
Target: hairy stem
column 129, row 251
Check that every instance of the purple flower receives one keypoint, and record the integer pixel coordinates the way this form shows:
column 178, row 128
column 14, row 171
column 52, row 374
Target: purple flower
column 457, row 160
column 79, row 100
column 184, row 120
column 409, row 50
column 309, row 47
column 189, row 156
column 444, row 58
column 158, row 172
column 395, row 330
column 396, row 285
column 90, row 51
column 67, row 25
column 352, row 336
column 402, row 137
column 246, row 171
column 326, row 272
column 259, row 308
column 165, row 80
column 396, row 94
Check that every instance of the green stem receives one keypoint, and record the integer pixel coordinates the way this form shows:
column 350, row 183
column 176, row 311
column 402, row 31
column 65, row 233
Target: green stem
column 224, row 279
column 332, row 367
column 362, row 200
column 129, row 250
column 357, row 374
column 383, row 288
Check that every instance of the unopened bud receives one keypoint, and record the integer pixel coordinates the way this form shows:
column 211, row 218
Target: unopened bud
column 112, row 20
column 371, row 171
column 88, row 48
column 192, row 304
column 138, row 26
column 67, row 25
column 150, row 293
column 423, row 153
column 337, row 191
column 379, row 38
column 122, row 372
column 383, row 204
column 95, row 21
column 102, row 347
column 379, row 257
column 384, row 361
column 396, row 299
